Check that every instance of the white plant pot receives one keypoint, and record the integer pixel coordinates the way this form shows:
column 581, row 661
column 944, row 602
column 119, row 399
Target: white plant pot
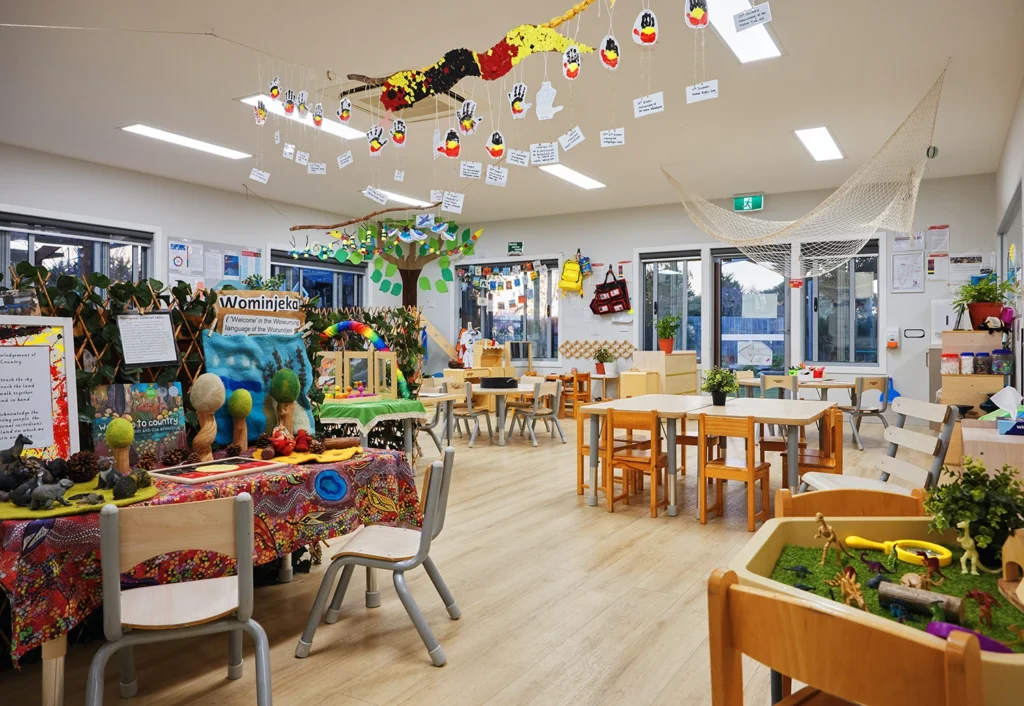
column 611, row 369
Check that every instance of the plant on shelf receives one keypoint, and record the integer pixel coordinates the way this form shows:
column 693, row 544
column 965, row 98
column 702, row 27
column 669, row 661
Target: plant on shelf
column 719, row 382
column 668, row 327
column 605, row 361
column 259, row 282
column 992, row 502
column 984, row 299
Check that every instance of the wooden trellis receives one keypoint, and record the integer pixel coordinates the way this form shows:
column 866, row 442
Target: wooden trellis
column 587, row 349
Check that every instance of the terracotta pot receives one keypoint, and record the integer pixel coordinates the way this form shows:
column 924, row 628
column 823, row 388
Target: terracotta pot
column 980, row 311
column 599, row 367
column 665, row 344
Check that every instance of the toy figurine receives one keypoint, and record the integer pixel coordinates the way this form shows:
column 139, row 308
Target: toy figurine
column 108, row 475
column 898, row 610
column 873, row 566
column 826, row 532
column 799, row 570
column 8, row 456
column 282, row 441
column 84, row 499
column 1018, row 634
column 239, row 407
column 920, row 581
column 877, row 580
column 932, row 564
column 986, row 602
column 207, row 396
column 22, row 495
column 302, row 439
column 846, row 582
column 45, row 496
column 970, row 550
column 803, row 587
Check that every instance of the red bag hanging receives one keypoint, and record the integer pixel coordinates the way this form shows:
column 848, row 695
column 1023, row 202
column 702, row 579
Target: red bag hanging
column 610, row 296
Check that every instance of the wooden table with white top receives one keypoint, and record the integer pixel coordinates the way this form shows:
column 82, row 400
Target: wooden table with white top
column 500, row 393
column 670, row 408
column 822, row 385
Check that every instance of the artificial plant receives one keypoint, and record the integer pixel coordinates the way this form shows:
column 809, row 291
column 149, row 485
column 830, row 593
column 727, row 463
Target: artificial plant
column 601, row 355
column 720, row 380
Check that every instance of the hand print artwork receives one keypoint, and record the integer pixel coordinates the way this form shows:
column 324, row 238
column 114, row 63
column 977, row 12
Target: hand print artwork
column 260, row 113
column 275, row 88
column 609, row 53
column 303, row 104
column 468, row 119
column 645, row 29
column 451, row 147
column 515, row 101
column 398, row 132
column 545, row 102
column 571, row 63
column 289, row 101
column 375, row 139
column 697, row 13
column 496, row 145
column 344, row 111
column 318, row 114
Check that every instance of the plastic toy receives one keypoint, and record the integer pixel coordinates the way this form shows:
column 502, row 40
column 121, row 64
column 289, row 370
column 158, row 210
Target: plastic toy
column 970, row 550
column 987, row 644
column 877, row 580
column 933, row 567
column 986, row 602
column 1018, row 634
column 920, row 581
column 898, row 610
column 875, row 566
column 826, row 532
column 846, row 582
column 45, row 496
column 803, row 586
column 905, row 549
column 799, row 570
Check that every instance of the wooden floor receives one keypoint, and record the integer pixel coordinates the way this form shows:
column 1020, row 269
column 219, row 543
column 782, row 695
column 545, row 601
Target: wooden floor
column 562, row 604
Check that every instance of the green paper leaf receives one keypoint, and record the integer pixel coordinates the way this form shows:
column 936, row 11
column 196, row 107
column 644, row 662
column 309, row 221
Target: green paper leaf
column 466, row 235
column 392, row 268
column 377, row 276
column 441, row 286
column 399, row 251
column 385, row 286
column 445, row 261
column 424, row 284
column 446, row 275
column 469, row 250
column 435, row 243
column 379, row 264
column 396, row 288
column 355, row 257
column 424, row 249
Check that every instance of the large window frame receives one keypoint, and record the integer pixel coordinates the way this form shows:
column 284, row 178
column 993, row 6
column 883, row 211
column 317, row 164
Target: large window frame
column 347, row 281
column 660, row 297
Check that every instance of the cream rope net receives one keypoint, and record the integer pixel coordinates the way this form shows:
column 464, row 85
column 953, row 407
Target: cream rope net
column 881, row 195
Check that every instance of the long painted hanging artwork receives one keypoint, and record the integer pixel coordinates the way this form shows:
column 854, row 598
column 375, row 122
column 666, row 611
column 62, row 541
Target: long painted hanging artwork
column 406, row 88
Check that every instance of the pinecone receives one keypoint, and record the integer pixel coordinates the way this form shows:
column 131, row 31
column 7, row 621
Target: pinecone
column 316, row 447
column 193, row 458
column 147, row 461
column 233, row 450
column 262, row 441
column 82, row 467
column 141, row 478
column 174, row 457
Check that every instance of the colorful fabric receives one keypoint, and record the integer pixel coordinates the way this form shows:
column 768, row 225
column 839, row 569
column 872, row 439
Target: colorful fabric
column 366, row 415
column 329, row 456
column 50, row 568
column 10, row 511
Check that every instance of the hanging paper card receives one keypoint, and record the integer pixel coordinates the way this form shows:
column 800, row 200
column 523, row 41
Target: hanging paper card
column 316, row 168
column 345, row 159
column 303, row 104
column 344, row 111
column 518, row 158
column 614, row 137
column 755, row 16
column 702, row 91
column 571, row 62
column 375, row 195
column 398, row 133
column 609, row 53
column 450, row 148
column 259, row 175
column 318, row 114
column 496, row 176
column 697, row 13
column 260, row 112
column 648, row 105
column 470, row 170
column 275, row 88
column 399, row 175
column 645, row 29
column 571, row 139
column 436, row 195
column 375, row 139
column 468, row 119
column 277, row 137
column 289, row 151
column 452, row 202
column 424, row 220
column 289, row 101
column 496, row 145
column 544, row 153
column 515, row 101
column 545, row 102
column 302, row 158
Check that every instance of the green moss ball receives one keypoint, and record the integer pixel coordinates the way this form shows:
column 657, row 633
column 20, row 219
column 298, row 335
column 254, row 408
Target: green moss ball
column 284, row 386
column 119, row 434
column 207, row 393
column 240, row 404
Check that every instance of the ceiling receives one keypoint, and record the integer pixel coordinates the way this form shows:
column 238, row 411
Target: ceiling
column 858, row 68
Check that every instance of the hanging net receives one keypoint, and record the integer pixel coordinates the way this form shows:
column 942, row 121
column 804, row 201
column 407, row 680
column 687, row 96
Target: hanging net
column 881, row 195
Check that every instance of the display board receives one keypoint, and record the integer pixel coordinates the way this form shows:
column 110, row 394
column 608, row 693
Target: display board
column 259, row 313
column 207, row 265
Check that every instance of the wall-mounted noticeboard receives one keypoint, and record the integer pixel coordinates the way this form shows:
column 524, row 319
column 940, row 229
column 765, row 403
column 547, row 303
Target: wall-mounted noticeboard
column 206, row 265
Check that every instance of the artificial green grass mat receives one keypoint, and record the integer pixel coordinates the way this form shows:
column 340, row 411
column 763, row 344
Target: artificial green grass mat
column 956, row 584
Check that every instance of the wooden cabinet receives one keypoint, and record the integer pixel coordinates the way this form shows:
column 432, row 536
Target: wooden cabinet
column 677, row 372
column 634, row 383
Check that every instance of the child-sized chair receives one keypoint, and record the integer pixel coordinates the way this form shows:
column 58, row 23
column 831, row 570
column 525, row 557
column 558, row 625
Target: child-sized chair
column 770, row 440
column 583, row 450
column 635, row 462
column 130, row 536
column 728, row 468
column 859, row 410
column 469, row 412
column 828, row 459
column 544, row 407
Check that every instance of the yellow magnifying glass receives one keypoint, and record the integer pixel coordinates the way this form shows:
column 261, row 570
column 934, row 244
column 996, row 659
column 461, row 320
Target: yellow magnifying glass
column 906, row 549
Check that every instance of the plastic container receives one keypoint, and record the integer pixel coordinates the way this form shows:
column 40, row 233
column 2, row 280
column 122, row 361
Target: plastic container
column 950, row 364
column 967, row 364
column 1002, row 361
column 982, row 364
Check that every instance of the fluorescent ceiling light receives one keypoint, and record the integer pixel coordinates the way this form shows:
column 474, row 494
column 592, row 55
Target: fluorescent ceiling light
column 572, row 176
column 277, row 108
column 405, row 199
column 156, row 134
column 753, row 44
column 819, row 142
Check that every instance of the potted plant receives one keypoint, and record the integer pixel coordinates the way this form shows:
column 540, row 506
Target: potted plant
column 992, row 502
column 605, row 363
column 984, row 299
column 719, row 382
column 668, row 327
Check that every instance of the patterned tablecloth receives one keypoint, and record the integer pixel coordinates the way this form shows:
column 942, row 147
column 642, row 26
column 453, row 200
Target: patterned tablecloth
column 50, row 568
column 367, row 414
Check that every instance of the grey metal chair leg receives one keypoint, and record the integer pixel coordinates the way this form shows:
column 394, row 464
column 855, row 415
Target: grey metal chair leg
column 803, row 487
column 558, row 426
column 885, row 422
column 94, row 683
column 856, row 434
column 264, row 695
column 442, row 589
column 435, row 439
column 533, row 437
column 339, row 595
column 306, row 640
column 437, row 655
column 129, row 684
column 490, row 429
column 235, row 654
column 476, row 430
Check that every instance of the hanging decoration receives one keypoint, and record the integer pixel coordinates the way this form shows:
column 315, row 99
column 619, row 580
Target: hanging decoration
column 344, row 111
column 289, row 101
column 496, row 145
column 303, row 104
column 451, row 147
column 697, row 13
column 260, row 113
column 609, row 53
column 515, row 101
column 275, row 88
column 318, row 114
column 375, row 139
column 375, row 340
column 398, row 133
column 645, row 29
column 468, row 119
column 571, row 63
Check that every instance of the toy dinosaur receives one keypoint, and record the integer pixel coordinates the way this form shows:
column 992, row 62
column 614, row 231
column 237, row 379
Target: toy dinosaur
column 876, row 581
column 932, row 564
column 803, row 586
column 970, row 550
column 986, row 602
column 846, row 582
column 874, row 566
column 107, row 475
column 920, row 581
column 898, row 610
column 14, row 453
column 45, row 496
column 938, row 612
column 1018, row 634
column 890, row 561
column 799, row 569
column 826, row 532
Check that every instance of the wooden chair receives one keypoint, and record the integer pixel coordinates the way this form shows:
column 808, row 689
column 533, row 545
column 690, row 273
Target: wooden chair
column 828, row 459
column 392, row 549
column 820, row 645
column 175, row 611
column 849, row 502
column 743, row 375
column 726, row 468
column 897, row 436
column 770, row 440
column 635, row 462
column 540, row 411
column 578, row 394
column 469, row 412
column 583, row 451
column 858, row 411
column 687, row 438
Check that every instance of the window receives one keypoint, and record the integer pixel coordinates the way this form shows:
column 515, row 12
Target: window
column 338, row 286
column 752, row 322
column 513, row 306
column 672, row 286
column 74, row 248
column 841, row 312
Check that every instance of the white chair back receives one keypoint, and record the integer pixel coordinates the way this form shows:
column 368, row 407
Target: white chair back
column 936, row 447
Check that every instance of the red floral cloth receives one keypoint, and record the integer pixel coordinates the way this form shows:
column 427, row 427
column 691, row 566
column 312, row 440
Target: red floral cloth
column 50, row 568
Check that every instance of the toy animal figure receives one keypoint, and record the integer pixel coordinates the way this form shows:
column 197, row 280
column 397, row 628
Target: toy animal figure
column 22, row 495
column 83, row 499
column 1018, row 634
column 938, row 613
column 873, row 566
column 799, row 570
column 986, row 602
column 898, row 610
column 970, row 550
column 45, row 496
column 876, row 581
column 14, row 453
column 846, row 582
column 826, row 532
column 932, row 564
column 803, row 586
column 919, row 581
column 107, row 475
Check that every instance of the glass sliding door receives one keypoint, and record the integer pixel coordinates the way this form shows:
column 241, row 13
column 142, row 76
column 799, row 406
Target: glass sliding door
column 842, row 312
column 752, row 315
column 673, row 287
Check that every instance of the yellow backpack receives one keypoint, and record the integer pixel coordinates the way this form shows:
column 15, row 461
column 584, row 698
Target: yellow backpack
column 572, row 277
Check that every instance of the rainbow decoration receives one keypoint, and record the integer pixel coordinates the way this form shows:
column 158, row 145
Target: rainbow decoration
column 373, row 337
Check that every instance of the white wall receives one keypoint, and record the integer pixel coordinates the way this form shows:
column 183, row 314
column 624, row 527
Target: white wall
column 1011, row 163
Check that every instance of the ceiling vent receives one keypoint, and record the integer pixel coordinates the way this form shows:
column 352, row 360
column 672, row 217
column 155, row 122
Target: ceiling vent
column 366, row 99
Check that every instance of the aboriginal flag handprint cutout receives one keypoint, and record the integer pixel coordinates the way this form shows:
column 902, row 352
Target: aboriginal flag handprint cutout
column 275, row 88
column 376, row 140
column 515, row 101
column 496, row 145
column 303, row 103
column 450, row 147
column 609, row 53
column 697, row 13
column 344, row 111
column 260, row 112
column 398, row 133
column 645, row 29
column 318, row 114
column 571, row 63
column 289, row 101
column 467, row 118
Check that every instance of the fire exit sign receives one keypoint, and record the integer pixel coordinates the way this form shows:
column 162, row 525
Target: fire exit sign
column 749, row 202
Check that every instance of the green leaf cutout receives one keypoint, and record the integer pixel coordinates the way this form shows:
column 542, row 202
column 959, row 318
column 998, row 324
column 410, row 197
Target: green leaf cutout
column 441, row 286
column 377, row 276
column 379, row 264
column 355, row 257
column 446, row 275
column 392, row 268
column 424, row 284
column 396, row 288
column 385, row 286
column 445, row 261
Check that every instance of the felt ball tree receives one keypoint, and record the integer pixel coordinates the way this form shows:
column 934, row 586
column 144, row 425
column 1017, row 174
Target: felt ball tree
column 239, row 407
column 207, row 396
column 119, row 437
column 284, row 388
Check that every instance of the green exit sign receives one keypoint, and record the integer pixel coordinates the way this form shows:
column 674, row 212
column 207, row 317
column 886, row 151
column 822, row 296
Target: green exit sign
column 750, row 202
